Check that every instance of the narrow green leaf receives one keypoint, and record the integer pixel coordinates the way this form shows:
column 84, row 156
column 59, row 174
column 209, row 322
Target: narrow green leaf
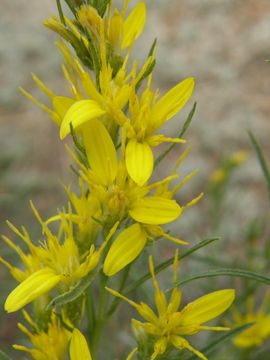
column 261, row 159
column 102, row 6
column 167, row 263
column 4, row 356
column 116, row 300
column 74, row 292
column 181, row 133
column 224, row 272
column 209, row 348
column 150, row 67
column 152, row 48
column 60, row 11
column 147, row 72
column 76, row 141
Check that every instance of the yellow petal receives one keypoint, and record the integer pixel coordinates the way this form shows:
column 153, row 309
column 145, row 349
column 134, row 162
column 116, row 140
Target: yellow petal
column 139, row 161
column 160, row 347
column 126, row 247
column 80, row 112
column 156, row 140
column 155, row 210
column 115, row 29
column 61, row 104
column 172, row 102
column 181, row 343
column 78, row 347
column 100, row 150
column 34, row 286
column 133, row 25
column 207, row 307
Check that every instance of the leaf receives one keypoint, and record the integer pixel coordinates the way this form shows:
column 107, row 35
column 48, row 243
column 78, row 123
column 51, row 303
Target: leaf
column 60, row 11
column 261, row 159
column 102, row 6
column 209, row 348
column 153, row 46
column 147, row 72
column 224, row 272
column 4, row 356
column 181, row 133
column 150, row 67
column 167, row 263
column 73, row 293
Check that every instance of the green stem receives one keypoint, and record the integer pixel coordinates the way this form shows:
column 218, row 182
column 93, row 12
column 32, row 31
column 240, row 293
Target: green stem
column 116, row 300
column 90, row 311
column 60, row 11
column 100, row 319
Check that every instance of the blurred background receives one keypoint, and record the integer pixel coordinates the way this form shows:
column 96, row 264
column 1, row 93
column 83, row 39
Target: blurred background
column 224, row 44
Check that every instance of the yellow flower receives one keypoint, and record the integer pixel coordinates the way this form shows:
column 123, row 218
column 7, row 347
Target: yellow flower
column 87, row 209
column 147, row 114
column 78, row 347
column 88, row 100
column 47, row 345
column 218, row 176
column 238, row 157
column 106, row 102
column 61, row 265
column 170, row 325
column 120, row 198
column 109, row 179
column 120, row 33
column 256, row 334
column 30, row 261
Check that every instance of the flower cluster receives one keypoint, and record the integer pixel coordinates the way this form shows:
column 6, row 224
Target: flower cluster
column 115, row 119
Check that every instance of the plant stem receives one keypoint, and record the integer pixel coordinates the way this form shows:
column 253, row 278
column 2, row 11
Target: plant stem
column 90, row 311
column 116, row 300
column 100, row 319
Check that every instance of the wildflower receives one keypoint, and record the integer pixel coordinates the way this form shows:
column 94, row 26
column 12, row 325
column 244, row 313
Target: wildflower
column 120, row 33
column 109, row 178
column 239, row 157
column 67, row 31
column 87, row 210
column 121, row 198
column 257, row 333
column 221, row 175
column 62, row 266
column 170, row 325
column 30, row 261
column 147, row 114
column 51, row 343
column 88, row 100
column 111, row 97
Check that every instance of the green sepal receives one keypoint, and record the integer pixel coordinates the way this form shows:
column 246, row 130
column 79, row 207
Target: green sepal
column 73, row 293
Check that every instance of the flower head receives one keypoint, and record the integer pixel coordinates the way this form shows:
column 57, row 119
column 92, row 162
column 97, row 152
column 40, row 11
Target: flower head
column 61, row 265
column 259, row 332
column 170, row 325
column 49, row 343
column 120, row 198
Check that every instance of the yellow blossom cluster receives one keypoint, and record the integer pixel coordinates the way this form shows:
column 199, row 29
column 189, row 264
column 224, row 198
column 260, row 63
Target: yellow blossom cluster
column 115, row 118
